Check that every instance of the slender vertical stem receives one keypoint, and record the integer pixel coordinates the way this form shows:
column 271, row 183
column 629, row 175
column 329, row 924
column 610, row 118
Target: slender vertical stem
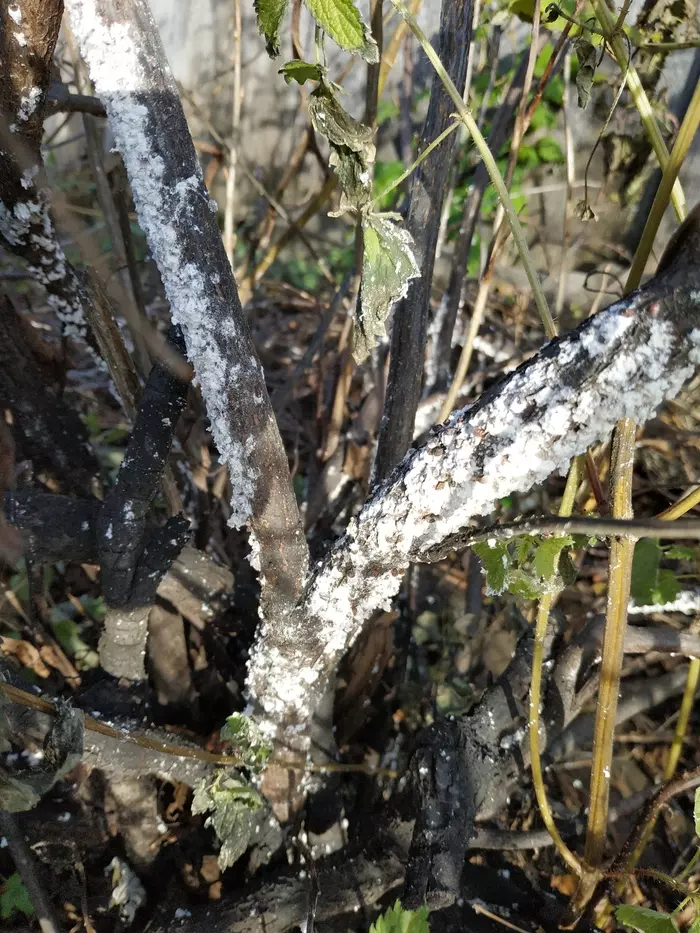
column 543, row 610
column 490, row 164
column 622, row 550
column 229, row 216
column 570, row 178
column 691, row 686
column 634, row 85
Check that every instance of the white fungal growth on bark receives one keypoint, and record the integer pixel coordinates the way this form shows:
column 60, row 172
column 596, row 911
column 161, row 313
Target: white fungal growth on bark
column 28, row 103
column 517, row 437
column 162, row 201
column 28, row 223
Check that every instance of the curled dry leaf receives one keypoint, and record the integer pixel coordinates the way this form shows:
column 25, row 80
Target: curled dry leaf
column 388, row 266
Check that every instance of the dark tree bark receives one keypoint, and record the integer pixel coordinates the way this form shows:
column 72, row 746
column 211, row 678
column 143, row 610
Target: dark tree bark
column 438, row 364
column 27, row 42
column 45, row 429
column 120, row 43
column 428, row 192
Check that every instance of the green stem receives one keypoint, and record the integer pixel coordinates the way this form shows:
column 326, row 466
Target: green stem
column 424, row 155
column 680, row 149
column 639, row 96
column 669, row 46
column 490, row 164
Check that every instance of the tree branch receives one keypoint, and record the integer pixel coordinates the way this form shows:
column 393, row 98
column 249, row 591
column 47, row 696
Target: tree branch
column 120, row 43
column 428, row 192
column 27, row 40
column 622, row 362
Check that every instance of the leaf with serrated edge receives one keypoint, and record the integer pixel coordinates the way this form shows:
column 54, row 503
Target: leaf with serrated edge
column 546, row 557
column 387, row 268
column 398, row 920
column 301, row 72
column 342, row 21
column 270, row 14
column 231, row 804
column 497, row 563
column 14, row 898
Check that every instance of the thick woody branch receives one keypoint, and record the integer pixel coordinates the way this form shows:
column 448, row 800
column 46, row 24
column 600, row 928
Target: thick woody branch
column 623, row 362
column 120, row 43
column 134, row 558
column 57, row 528
column 28, row 33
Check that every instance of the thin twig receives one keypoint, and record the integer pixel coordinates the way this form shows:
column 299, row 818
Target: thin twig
column 230, row 210
column 24, row 862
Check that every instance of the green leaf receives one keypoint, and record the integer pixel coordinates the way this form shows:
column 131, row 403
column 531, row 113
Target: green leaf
column 388, row 266
column 497, row 564
column 398, row 920
column 645, row 920
column 522, row 584
column 523, row 9
column 667, row 587
column 301, row 72
column 14, row 898
column 523, row 544
column 270, row 15
column 549, row 150
column 387, row 110
column 67, row 631
column 645, row 571
column 232, row 804
column 546, row 558
column 554, row 92
column 247, row 739
column 384, row 174
column 528, row 156
column 343, row 23
column 678, row 552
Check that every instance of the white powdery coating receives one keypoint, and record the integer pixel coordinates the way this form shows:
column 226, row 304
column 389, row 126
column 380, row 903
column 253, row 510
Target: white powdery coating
column 28, row 103
column 29, row 224
column 116, row 70
column 15, row 14
column 461, row 473
column 687, row 602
